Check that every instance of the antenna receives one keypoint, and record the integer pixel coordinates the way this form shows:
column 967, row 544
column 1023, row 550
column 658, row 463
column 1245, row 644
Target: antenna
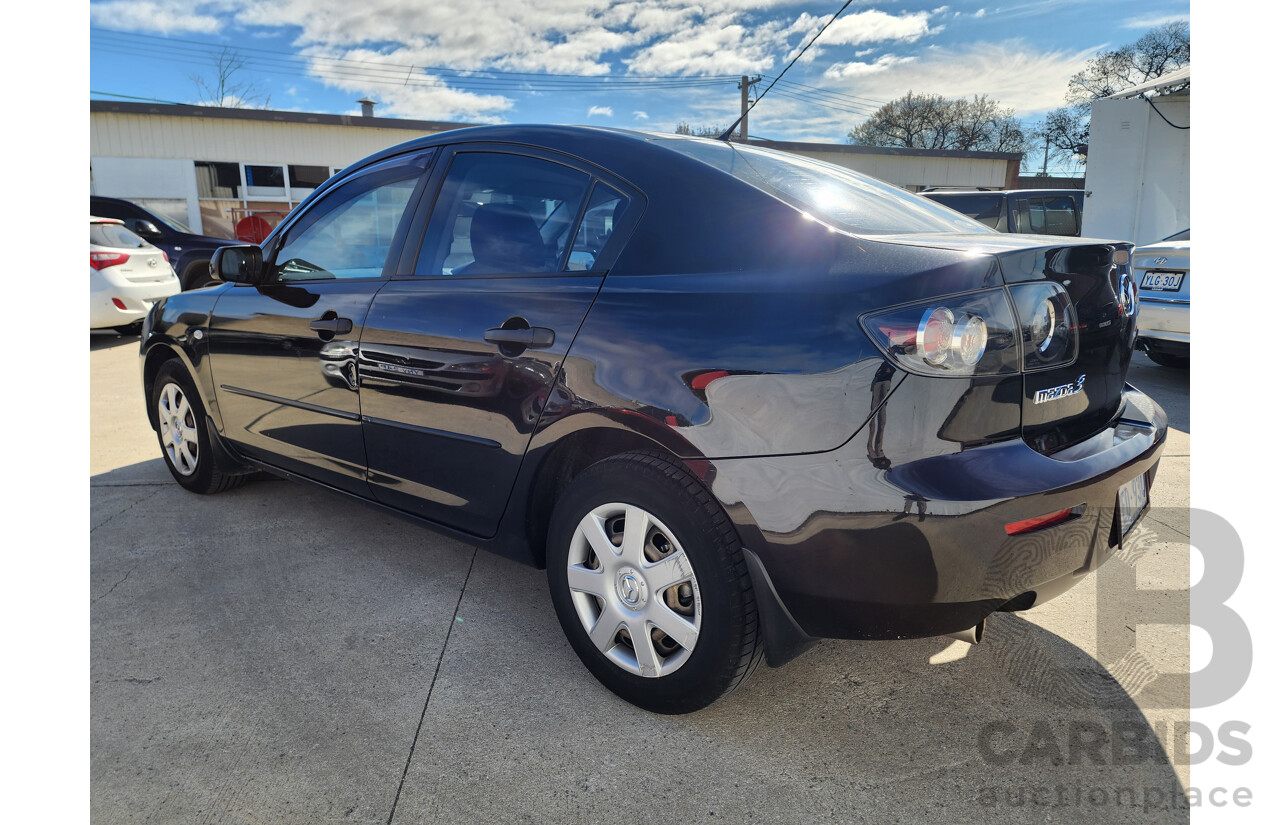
column 734, row 125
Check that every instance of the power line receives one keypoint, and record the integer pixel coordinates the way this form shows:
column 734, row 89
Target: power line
column 729, row 131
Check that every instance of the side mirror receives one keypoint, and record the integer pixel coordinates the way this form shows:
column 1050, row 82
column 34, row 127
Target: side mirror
column 240, row 264
column 146, row 229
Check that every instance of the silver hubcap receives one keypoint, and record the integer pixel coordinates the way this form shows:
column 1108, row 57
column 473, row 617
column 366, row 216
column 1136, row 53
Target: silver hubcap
column 634, row 590
column 178, row 429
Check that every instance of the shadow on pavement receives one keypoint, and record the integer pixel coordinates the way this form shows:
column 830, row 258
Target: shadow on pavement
column 265, row 655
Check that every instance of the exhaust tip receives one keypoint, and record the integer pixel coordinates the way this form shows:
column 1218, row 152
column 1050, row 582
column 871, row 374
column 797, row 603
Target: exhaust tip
column 973, row 635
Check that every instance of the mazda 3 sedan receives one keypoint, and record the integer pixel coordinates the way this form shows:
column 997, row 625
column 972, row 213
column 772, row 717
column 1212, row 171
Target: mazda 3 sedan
column 732, row 399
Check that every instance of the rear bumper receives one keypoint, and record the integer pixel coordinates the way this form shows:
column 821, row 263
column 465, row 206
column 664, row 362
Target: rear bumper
column 137, row 298
column 1165, row 319
column 856, row 550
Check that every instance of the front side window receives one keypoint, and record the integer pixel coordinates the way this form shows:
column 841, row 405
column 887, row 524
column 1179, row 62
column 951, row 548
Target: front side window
column 500, row 214
column 348, row 233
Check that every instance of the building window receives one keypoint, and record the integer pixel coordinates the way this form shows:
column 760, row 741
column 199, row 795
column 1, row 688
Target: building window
column 264, row 181
column 307, row 177
column 217, row 180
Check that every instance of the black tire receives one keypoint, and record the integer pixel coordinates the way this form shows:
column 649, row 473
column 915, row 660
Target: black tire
column 1164, row 359
column 196, row 275
column 728, row 645
column 208, row 472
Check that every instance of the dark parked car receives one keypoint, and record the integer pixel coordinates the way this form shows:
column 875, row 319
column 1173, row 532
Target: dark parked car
column 1024, row 211
column 188, row 252
column 750, row 400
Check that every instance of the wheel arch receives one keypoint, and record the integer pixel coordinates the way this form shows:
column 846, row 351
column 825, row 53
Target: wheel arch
column 563, row 459
column 157, row 355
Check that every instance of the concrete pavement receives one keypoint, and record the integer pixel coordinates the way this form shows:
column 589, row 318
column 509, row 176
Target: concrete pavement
column 281, row 654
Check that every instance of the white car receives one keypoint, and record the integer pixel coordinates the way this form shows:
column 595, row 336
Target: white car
column 1163, row 273
column 126, row 276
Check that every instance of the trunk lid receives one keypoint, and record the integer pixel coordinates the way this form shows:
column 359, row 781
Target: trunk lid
column 1065, row 405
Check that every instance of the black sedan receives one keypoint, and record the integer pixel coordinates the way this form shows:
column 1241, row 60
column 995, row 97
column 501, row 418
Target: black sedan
column 732, row 399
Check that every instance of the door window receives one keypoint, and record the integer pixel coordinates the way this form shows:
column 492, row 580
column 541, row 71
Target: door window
column 502, row 214
column 349, row 232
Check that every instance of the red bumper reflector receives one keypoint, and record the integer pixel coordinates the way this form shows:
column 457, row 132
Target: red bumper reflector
column 119, row 304
column 701, row 382
column 1037, row 522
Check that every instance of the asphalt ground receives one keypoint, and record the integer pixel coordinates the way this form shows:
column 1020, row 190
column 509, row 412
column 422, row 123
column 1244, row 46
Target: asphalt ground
column 281, row 654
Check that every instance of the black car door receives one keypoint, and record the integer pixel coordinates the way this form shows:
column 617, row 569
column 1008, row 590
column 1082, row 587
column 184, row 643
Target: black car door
column 460, row 352
column 283, row 352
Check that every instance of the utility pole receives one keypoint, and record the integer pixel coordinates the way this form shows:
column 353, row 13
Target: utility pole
column 745, row 85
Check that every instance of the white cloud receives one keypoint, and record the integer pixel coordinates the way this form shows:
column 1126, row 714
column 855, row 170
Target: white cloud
column 605, row 111
column 1152, row 22
column 640, row 115
column 876, row 26
column 1011, row 72
column 883, row 63
column 980, row 13
column 162, row 16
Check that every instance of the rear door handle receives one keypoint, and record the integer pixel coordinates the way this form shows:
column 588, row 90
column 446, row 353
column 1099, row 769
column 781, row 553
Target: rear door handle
column 333, row 326
column 530, row 338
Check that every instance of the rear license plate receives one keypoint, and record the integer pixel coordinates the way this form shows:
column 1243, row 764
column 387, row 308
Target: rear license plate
column 1162, row 281
column 1132, row 499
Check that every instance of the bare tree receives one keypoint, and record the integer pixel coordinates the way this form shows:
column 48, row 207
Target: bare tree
column 683, row 128
column 1158, row 52
column 935, row 122
column 226, row 88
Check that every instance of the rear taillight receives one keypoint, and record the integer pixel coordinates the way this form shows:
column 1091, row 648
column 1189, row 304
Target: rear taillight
column 1049, row 330
column 102, row 260
column 166, row 255
column 1023, row 328
column 964, row 335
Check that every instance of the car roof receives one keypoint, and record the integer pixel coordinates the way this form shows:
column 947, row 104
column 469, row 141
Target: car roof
column 94, row 219
column 1004, row 192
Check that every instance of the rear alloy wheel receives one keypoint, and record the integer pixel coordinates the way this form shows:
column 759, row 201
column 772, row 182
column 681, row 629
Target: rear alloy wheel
column 182, row 429
column 650, row 585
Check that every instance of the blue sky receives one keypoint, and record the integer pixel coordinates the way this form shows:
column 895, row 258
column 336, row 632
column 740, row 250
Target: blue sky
column 646, row 64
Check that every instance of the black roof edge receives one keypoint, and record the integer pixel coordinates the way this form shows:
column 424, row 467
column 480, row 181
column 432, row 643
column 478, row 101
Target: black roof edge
column 857, row 149
column 271, row 116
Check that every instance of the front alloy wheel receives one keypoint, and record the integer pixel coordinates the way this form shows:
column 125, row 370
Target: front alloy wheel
column 634, row 590
column 178, row 435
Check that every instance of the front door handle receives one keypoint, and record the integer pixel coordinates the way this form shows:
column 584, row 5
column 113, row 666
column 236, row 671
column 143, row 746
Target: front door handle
column 528, row 338
column 333, row 326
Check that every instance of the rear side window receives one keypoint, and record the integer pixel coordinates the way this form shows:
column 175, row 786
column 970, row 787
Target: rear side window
column 985, row 209
column 856, row 202
column 114, row 235
column 1056, row 215
column 604, row 212
column 501, row 214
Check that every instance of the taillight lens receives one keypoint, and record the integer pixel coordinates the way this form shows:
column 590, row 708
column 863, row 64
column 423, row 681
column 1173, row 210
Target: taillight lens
column 102, row 260
column 166, row 255
column 973, row 334
column 1023, row 328
column 1047, row 322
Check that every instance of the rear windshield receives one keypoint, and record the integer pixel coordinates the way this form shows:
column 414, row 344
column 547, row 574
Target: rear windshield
column 115, row 235
column 840, row 196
